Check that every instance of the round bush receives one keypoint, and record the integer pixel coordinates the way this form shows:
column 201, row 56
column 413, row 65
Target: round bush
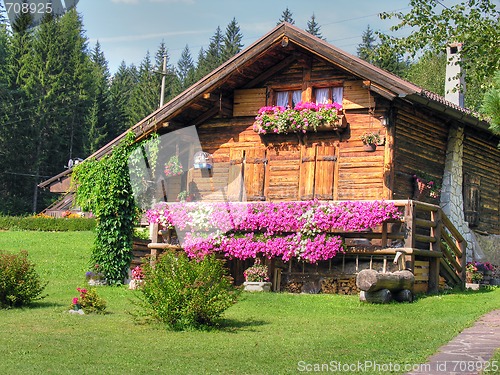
column 20, row 284
column 184, row 293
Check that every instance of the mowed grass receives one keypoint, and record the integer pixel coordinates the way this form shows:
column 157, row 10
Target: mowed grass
column 264, row 333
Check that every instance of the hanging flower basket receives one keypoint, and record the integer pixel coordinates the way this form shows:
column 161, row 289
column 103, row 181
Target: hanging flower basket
column 370, row 141
column 424, row 185
column 305, row 117
column 370, row 147
column 173, row 167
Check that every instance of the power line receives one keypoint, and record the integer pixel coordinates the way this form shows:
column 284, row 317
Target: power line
column 360, row 17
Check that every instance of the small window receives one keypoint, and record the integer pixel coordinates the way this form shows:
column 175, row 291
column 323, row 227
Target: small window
column 328, row 95
column 288, row 98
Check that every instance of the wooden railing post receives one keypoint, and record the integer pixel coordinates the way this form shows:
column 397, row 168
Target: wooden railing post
column 434, row 263
column 153, row 234
column 463, row 259
column 410, row 224
column 410, row 234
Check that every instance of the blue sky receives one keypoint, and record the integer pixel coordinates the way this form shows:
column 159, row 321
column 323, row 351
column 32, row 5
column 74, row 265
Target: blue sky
column 127, row 29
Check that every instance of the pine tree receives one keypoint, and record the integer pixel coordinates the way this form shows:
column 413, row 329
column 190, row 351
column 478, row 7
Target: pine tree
column 121, row 91
column 3, row 19
column 313, row 27
column 366, row 49
column 232, row 40
column 16, row 143
column 57, row 78
column 213, row 56
column 201, row 65
column 100, row 122
column 145, row 97
column 185, row 70
column 286, row 16
column 379, row 54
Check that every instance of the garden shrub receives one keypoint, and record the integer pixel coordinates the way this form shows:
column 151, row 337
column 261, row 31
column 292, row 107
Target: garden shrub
column 89, row 301
column 184, row 293
column 20, row 284
column 46, row 223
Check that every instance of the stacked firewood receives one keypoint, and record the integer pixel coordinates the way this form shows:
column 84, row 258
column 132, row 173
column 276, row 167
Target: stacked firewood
column 293, row 287
column 342, row 285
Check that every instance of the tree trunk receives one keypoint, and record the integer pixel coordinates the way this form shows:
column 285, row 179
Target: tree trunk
column 404, row 295
column 380, row 296
column 371, row 280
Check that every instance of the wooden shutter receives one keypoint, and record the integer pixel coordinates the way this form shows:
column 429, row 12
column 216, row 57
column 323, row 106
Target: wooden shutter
column 235, row 185
column 325, row 167
column 247, row 102
column 307, row 171
column 317, row 171
column 254, row 174
column 282, row 177
column 472, row 199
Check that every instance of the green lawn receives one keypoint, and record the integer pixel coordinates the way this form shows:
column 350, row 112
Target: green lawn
column 262, row 333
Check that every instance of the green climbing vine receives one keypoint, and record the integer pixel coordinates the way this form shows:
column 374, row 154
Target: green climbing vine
column 103, row 187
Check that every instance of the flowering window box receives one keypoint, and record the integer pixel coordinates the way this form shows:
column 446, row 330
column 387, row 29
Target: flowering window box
column 305, row 117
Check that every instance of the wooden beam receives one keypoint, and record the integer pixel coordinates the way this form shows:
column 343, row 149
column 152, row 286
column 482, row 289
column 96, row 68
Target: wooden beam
column 270, row 72
column 207, row 115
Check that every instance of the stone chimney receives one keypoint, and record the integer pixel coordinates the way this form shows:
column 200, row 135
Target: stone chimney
column 454, row 86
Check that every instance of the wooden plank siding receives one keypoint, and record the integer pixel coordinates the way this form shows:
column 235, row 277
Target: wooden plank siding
column 481, row 158
column 361, row 174
column 419, row 145
column 323, row 165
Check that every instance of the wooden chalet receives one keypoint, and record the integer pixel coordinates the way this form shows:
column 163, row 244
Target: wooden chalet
column 420, row 134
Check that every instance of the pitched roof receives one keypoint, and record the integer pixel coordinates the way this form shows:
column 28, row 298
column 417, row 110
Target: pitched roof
column 272, row 52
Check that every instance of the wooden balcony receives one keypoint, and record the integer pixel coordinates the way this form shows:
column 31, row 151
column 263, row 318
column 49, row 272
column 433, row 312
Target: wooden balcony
column 424, row 241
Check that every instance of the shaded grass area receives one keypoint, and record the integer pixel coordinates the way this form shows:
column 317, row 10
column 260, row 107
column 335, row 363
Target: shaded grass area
column 264, row 333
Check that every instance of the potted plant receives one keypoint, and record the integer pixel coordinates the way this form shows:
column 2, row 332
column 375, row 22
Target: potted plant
column 95, row 277
column 370, row 141
column 137, row 278
column 473, row 276
column 256, row 278
column 425, row 183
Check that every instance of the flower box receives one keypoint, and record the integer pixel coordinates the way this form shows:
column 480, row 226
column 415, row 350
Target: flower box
column 257, row 286
column 472, row 286
column 305, row 117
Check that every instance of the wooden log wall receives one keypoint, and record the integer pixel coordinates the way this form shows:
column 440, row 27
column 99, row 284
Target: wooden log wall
column 420, row 145
column 323, row 165
column 481, row 162
column 283, row 167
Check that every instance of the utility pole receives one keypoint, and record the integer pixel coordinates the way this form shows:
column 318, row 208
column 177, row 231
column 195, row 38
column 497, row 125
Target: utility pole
column 163, row 78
